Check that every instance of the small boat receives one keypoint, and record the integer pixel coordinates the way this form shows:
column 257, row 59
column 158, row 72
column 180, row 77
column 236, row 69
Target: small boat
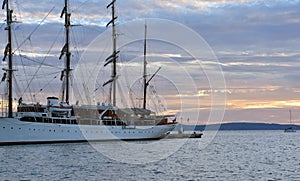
column 184, row 135
column 290, row 129
column 181, row 134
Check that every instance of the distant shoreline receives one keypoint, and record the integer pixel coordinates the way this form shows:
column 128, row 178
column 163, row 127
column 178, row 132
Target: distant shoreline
column 240, row 126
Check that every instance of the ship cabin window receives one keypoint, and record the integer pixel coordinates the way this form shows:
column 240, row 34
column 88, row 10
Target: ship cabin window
column 109, row 123
column 60, row 114
column 113, row 123
column 110, row 114
column 107, row 117
column 27, row 119
column 31, row 109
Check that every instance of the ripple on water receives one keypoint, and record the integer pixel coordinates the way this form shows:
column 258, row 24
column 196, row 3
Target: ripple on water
column 233, row 155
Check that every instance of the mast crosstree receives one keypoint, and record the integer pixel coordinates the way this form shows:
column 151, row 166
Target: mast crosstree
column 112, row 58
column 8, row 52
column 66, row 51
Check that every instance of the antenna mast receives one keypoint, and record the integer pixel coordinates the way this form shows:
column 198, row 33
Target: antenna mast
column 113, row 58
column 8, row 51
column 66, row 50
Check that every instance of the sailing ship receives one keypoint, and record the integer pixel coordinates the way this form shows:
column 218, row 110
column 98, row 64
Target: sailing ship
column 59, row 121
column 290, row 129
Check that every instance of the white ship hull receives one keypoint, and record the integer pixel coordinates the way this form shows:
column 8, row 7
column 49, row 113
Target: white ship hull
column 14, row 131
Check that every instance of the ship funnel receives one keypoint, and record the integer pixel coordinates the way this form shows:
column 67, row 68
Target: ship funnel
column 52, row 101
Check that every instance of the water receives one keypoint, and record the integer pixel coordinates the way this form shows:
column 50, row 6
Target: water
column 232, row 155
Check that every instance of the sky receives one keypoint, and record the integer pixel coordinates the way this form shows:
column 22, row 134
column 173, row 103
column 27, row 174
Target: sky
column 256, row 43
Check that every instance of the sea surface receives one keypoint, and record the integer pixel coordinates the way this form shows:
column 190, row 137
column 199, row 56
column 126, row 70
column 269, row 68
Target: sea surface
column 230, row 155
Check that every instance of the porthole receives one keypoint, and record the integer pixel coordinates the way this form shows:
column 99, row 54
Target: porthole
column 3, row 127
column 11, row 128
column 19, row 128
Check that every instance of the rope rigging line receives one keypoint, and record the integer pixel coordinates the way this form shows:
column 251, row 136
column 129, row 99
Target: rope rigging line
column 62, row 90
column 126, row 77
column 43, row 59
column 34, row 30
column 17, row 87
column 48, row 83
column 35, row 61
column 22, row 62
column 75, row 44
column 23, row 42
column 2, row 24
column 41, row 75
column 79, row 6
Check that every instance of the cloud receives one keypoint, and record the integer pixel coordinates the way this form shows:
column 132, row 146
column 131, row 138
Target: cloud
column 256, row 41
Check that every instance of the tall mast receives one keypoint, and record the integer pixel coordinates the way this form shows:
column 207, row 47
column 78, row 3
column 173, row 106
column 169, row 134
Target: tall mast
column 290, row 116
column 113, row 58
column 8, row 51
column 146, row 82
column 145, row 68
column 66, row 50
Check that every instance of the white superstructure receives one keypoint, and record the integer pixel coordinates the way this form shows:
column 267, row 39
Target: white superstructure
column 14, row 131
column 59, row 122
